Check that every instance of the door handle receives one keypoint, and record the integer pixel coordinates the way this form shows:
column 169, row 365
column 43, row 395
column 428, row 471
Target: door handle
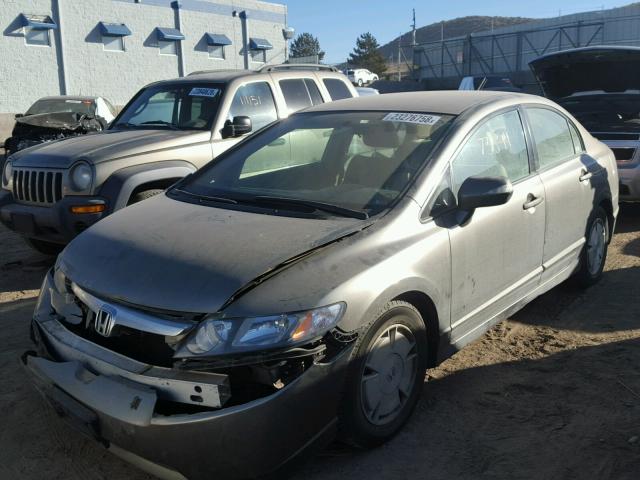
column 532, row 201
column 585, row 175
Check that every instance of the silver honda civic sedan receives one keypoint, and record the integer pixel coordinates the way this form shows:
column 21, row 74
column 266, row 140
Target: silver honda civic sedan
column 299, row 287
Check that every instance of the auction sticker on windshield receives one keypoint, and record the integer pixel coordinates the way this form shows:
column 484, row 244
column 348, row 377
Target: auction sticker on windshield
column 420, row 118
column 203, row 92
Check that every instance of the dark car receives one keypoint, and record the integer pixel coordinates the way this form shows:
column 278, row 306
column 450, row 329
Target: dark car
column 53, row 118
column 600, row 86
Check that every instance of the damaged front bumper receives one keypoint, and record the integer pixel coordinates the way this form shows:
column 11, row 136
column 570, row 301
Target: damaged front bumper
column 115, row 400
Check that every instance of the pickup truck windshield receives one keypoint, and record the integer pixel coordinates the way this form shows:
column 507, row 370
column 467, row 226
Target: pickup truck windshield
column 347, row 164
column 173, row 107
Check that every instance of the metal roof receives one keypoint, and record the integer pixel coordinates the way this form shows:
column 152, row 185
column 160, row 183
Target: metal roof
column 217, row 39
column 114, row 29
column 260, row 44
column 41, row 22
column 169, row 33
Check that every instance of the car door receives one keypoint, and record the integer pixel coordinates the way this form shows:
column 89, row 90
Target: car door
column 566, row 172
column 497, row 255
column 254, row 100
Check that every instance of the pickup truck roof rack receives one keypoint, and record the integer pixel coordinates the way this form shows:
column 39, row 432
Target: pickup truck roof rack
column 298, row 66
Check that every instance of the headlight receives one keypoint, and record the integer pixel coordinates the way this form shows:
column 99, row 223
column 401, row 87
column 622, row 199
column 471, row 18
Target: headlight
column 81, row 177
column 216, row 336
column 7, row 176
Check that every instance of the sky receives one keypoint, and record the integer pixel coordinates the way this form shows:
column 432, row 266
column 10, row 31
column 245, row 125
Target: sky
column 338, row 23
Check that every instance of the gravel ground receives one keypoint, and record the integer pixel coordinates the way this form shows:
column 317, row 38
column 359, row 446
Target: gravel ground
column 553, row 392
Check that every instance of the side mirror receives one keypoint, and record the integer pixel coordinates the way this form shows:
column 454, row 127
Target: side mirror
column 478, row 192
column 18, row 115
column 237, row 127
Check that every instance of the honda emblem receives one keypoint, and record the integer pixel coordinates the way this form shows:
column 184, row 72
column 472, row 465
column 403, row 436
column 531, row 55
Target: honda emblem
column 105, row 320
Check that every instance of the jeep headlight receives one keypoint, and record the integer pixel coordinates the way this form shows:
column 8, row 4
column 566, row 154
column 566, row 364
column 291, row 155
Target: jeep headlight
column 81, row 177
column 218, row 336
column 7, row 175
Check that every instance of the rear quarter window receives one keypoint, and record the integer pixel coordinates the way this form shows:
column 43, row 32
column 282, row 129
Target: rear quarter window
column 337, row 88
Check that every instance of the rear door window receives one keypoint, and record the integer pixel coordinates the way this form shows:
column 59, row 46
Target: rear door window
column 300, row 93
column 314, row 93
column 337, row 88
column 551, row 136
column 255, row 101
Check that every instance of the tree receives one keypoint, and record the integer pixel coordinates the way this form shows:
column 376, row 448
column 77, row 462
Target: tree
column 306, row 45
column 367, row 54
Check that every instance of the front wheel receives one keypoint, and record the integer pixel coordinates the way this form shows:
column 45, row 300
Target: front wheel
column 386, row 377
column 360, row 82
column 594, row 252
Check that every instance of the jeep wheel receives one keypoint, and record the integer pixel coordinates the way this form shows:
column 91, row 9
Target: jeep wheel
column 140, row 196
column 46, row 248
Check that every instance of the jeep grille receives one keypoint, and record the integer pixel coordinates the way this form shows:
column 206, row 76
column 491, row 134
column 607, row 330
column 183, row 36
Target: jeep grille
column 37, row 186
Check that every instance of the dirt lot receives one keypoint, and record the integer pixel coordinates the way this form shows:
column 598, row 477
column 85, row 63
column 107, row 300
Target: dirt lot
column 552, row 393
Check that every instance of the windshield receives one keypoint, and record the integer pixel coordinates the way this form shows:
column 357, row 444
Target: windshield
column 351, row 164
column 605, row 110
column 177, row 107
column 55, row 105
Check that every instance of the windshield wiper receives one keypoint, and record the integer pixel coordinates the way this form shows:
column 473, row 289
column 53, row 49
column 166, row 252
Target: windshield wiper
column 207, row 198
column 325, row 207
column 160, row 122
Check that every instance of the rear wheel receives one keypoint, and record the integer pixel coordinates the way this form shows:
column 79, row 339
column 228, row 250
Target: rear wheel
column 360, row 82
column 46, row 248
column 594, row 252
column 140, row 196
column 386, row 377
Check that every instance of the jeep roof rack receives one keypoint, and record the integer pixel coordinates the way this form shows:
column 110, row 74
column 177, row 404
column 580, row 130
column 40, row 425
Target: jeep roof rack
column 224, row 70
column 298, row 66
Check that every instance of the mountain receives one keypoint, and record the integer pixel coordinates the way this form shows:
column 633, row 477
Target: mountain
column 451, row 28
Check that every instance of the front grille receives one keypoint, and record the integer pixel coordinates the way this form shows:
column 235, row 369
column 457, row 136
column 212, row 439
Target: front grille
column 38, row 186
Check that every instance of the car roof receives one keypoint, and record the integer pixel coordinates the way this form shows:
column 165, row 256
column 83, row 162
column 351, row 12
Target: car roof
column 68, row 97
column 452, row 102
column 604, row 49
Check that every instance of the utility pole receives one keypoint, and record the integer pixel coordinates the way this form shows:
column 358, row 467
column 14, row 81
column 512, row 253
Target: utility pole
column 399, row 54
column 413, row 29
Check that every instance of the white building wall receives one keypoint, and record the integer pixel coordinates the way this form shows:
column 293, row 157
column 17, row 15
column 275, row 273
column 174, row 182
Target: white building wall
column 29, row 72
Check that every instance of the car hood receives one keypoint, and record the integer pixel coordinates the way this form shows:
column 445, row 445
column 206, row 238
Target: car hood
column 591, row 69
column 65, row 121
column 175, row 256
column 105, row 146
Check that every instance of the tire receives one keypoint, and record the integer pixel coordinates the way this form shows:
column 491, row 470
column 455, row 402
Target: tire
column 594, row 252
column 381, row 388
column 140, row 196
column 46, row 248
column 360, row 82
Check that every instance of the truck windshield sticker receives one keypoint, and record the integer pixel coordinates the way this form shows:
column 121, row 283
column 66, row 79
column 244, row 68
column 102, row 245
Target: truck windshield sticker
column 73, row 101
column 203, row 92
column 420, row 118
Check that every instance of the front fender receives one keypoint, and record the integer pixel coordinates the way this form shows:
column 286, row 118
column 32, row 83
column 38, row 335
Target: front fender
column 121, row 184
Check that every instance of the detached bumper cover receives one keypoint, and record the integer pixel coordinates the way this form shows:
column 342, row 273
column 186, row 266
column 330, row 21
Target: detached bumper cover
column 54, row 223
column 241, row 441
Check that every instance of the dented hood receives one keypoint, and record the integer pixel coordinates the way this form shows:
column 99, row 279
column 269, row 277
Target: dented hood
column 105, row 146
column 64, row 121
column 591, row 69
column 176, row 256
